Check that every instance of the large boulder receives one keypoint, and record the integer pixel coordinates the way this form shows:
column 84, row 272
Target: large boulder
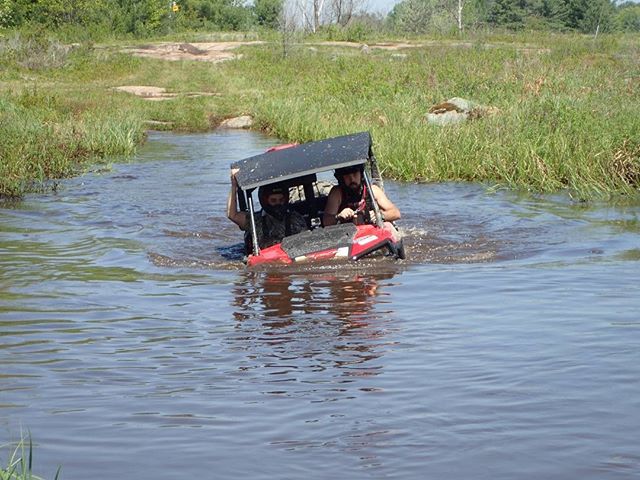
column 244, row 121
column 458, row 110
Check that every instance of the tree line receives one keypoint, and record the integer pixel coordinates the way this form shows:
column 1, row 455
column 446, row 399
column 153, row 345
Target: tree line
column 142, row 18
column 586, row 16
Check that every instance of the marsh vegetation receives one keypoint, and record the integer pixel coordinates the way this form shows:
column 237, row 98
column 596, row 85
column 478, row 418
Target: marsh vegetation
column 19, row 463
column 566, row 105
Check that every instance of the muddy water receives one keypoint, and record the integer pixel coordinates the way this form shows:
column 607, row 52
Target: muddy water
column 134, row 345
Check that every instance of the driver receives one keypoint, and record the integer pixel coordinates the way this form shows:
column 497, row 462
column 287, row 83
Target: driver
column 274, row 222
column 349, row 201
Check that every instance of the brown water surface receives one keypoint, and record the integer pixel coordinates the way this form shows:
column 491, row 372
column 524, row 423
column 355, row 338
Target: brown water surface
column 134, row 343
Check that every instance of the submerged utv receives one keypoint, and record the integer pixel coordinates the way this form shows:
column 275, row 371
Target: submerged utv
column 297, row 168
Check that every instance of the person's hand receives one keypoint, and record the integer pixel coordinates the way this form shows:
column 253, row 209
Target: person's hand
column 372, row 216
column 346, row 214
column 234, row 171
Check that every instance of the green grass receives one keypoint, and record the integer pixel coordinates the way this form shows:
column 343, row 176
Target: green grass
column 19, row 464
column 566, row 120
column 567, row 108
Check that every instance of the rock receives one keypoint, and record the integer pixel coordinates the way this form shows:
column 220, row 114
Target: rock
column 199, row 51
column 157, row 124
column 462, row 104
column 450, row 117
column 142, row 90
column 457, row 110
column 147, row 92
column 445, row 107
column 244, row 121
column 193, row 50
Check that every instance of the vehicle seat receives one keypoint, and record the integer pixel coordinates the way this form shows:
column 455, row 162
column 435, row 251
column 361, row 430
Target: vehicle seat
column 310, row 200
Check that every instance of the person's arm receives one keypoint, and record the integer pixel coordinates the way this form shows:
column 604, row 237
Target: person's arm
column 331, row 208
column 390, row 212
column 239, row 218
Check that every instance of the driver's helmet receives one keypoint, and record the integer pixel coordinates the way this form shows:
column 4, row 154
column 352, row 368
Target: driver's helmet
column 266, row 190
column 340, row 172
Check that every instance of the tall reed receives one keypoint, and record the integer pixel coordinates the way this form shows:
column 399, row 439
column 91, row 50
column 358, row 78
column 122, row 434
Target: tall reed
column 566, row 116
column 565, row 108
column 19, row 464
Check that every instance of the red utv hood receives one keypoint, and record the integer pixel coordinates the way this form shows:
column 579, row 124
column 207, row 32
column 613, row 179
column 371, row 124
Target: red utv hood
column 345, row 241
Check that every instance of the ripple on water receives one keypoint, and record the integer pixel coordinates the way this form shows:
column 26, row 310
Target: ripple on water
column 130, row 329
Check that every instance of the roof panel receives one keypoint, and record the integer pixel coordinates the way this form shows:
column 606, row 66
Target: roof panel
column 308, row 158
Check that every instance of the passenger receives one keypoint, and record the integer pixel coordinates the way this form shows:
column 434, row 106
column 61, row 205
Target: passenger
column 349, row 201
column 274, row 222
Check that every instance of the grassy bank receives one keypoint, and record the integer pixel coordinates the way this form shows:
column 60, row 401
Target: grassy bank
column 567, row 107
column 58, row 118
column 19, row 464
column 568, row 113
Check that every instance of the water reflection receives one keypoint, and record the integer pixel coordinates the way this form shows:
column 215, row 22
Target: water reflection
column 295, row 325
column 350, row 297
column 129, row 326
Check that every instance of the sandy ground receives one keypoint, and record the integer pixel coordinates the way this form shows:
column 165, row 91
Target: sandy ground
column 200, row 51
column 216, row 52
column 222, row 51
column 159, row 93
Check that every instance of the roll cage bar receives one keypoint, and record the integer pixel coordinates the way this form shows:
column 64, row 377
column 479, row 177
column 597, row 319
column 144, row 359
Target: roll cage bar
column 298, row 165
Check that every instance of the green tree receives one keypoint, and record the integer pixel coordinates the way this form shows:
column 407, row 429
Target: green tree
column 6, row 11
column 508, row 13
column 218, row 14
column 140, row 17
column 627, row 17
column 236, row 15
column 480, row 10
column 267, row 12
column 598, row 17
column 585, row 16
column 555, row 14
column 421, row 16
column 55, row 13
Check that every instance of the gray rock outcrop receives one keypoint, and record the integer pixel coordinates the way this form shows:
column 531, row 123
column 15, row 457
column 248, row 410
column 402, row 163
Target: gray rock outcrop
column 457, row 110
column 244, row 121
